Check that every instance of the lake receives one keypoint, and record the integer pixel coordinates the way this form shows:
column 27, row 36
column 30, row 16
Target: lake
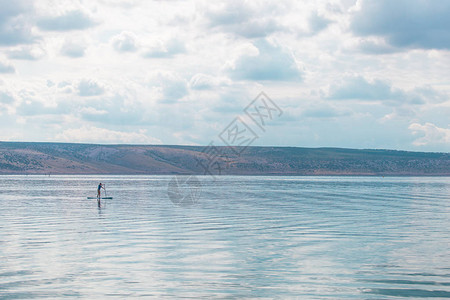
column 228, row 237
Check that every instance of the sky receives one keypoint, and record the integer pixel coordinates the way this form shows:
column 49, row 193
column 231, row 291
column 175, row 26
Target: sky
column 352, row 74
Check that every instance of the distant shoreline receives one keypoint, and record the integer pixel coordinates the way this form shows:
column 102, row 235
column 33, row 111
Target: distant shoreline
column 22, row 158
column 226, row 175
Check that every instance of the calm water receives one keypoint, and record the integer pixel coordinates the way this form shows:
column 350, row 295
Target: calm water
column 271, row 237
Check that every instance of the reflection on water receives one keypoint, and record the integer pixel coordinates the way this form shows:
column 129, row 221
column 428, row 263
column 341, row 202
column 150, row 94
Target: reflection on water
column 274, row 237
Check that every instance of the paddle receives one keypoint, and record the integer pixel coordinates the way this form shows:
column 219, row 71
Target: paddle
column 106, row 195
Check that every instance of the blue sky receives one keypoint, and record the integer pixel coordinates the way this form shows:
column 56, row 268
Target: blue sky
column 357, row 74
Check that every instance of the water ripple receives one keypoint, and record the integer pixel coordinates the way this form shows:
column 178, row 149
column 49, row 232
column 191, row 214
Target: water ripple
column 246, row 237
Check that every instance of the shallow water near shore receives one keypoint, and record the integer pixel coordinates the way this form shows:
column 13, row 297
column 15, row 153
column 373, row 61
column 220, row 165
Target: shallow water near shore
column 240, row 237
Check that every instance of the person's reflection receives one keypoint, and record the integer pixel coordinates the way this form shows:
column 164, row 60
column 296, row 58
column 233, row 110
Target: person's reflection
column 100, row 209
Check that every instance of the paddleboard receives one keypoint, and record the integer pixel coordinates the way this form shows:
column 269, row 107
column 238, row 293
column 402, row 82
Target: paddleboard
column 100, row 198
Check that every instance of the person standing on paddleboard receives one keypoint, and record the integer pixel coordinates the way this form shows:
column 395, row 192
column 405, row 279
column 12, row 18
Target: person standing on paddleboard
column 100, row 187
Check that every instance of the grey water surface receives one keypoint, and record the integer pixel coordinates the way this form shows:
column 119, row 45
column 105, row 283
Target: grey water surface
column 242, row 237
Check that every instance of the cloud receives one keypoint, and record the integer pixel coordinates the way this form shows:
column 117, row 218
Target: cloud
column 173, row 89
column 91, row 134
column 92, row 111
column 358, row 88
column 376, row 47
column 125, row 4
column 429, row 94
column 63, row 84
column 250, row 19
column 6, row 68
column 26, row 53
column 361, row 89
column 124, row 42
column 205, row 82
column 6, row 97
column 74, row 50
column 257, row 28
column 117, row 110
column 431, row 134
column 165, row 49
column 169, row 86
column 35, row 107
column 15, row 25
column 270, row 62
column 88, row 88
column 405, row 23
column 65, row 87
column 317, row 22
column 324, row 112
column 72, row 20
column 33, row 103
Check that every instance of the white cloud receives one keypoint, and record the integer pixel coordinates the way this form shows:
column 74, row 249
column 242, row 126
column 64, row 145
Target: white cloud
column 125, row 42
column 361, row 89
column 251, row 19
column 88, row 87
column 317, row 22
column 204, row 81
column 165, row 49
column 6, row 67
column 71, row 20
column 324, row 112
column 15, row 27
column 6, row 97
column 92, row 111
column 169, row 86
column 405, row 23
column 431, row 134
column 73, row 49
column 271, row 62
column 29, row 52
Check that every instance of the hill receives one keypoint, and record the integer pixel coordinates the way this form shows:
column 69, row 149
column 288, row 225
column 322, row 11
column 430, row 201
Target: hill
column 61, row 158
